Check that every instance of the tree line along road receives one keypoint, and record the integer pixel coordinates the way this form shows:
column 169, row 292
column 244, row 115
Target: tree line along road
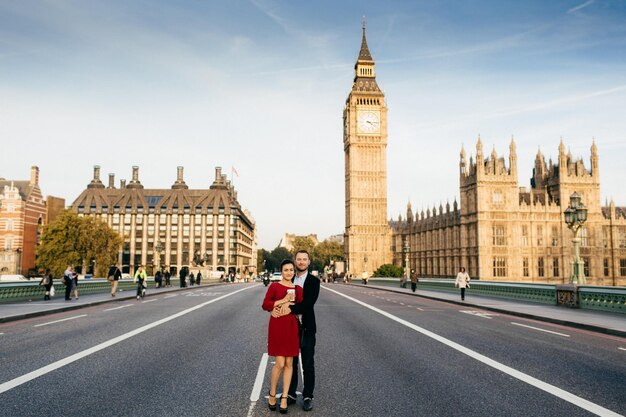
column 199, row 353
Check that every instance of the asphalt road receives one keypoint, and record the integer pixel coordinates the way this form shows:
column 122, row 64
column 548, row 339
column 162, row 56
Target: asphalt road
column 198, row 353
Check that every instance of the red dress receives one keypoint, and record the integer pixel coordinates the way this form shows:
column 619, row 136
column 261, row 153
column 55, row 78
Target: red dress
column 283, row 337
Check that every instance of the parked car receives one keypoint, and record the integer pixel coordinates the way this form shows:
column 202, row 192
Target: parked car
column 275, row 277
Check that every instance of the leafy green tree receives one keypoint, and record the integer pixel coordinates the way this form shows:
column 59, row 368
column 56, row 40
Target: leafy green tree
column 303, row 243
column 325, row 252
column 74, row 240
column 389, row 270
column 261, row 255
column 276, row 257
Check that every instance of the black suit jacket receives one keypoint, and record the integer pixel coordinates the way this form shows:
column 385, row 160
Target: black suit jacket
column 311, row 291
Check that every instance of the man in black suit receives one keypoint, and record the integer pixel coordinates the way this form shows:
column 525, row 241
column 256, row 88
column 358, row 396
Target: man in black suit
column 305, row 310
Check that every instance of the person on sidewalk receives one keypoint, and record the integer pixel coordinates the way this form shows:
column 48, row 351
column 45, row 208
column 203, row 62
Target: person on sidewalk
column 183, row 277
column 192, row 279
column 75, row 283
column 67, row 281
column 140, row 279
column 198, row 278
column 168, row 277
column 311, row 289
column 158, row 279
column 114, row 276
column 46, row 281
column 462, row 282
column 414, row 280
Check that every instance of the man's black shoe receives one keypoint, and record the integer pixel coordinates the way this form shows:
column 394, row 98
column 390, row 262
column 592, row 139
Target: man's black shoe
column 291, row 400
column 308, row 404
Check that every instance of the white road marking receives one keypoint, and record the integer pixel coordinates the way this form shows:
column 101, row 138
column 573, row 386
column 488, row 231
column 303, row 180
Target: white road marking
column 117, row 308
column 551, row 389
column 420, row 309
column 6, row 386
column 541, row 330
column 170, row 296
column 620, row 348
column 258, row 382
column 402, row 304
column 477, row 313
column 3, row 333
column 58, row 321
column 148, row 301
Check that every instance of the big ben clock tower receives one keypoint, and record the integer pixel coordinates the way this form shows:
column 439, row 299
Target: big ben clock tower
column 367, row 242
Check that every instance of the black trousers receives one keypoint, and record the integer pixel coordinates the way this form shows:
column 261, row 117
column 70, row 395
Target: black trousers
column 68, row 290
column 307, row 351
column 413, row 286
column 462, row 293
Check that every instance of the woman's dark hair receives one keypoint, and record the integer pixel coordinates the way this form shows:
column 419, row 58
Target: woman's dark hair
column 286, row 262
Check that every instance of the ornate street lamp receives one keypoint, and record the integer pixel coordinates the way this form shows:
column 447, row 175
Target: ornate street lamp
column 158, row 248
column 575, row 216
column 405, row 250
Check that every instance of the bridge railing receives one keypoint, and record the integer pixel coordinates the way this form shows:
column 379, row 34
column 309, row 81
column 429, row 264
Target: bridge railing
column 31, row 290
column 611, row 299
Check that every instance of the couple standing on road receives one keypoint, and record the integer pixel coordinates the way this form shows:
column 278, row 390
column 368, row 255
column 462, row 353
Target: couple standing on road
column 288, row 300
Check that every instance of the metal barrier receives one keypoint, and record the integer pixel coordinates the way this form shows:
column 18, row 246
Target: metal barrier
column 611, row 299
column 31, row 290
column 601, row 298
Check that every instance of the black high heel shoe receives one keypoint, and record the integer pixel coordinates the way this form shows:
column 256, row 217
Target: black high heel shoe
column 281, row 409
column 271, row 406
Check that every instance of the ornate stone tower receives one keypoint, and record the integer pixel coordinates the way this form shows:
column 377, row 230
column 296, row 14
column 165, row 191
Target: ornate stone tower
column 367, row 241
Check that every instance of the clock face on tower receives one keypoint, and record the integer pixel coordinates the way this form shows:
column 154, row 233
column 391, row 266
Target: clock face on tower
column 368, row 121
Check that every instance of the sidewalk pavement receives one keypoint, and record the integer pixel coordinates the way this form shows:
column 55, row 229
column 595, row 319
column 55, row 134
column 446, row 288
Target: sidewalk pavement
column 33, row 308
column 598, row 321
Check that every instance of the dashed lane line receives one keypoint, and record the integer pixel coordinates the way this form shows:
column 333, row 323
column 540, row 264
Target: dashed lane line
column 58, row 321
column 544, row 386
column 148, row 301
column 15, row 382
column 170, row 296
column 117, row 308
column 541, row 330
column 620, row 348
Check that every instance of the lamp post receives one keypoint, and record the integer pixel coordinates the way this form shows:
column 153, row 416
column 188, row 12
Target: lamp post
column 575, row 217
column 365, row 270
column 158, row 248
column 405, row 250
column 18, row 262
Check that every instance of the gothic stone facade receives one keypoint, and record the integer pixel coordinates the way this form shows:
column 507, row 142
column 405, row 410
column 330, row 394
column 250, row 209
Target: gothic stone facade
column 367, row 237
column 501, row 232
column 203, row 229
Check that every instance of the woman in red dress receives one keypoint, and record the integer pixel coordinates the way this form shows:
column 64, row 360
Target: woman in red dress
column 283, row 339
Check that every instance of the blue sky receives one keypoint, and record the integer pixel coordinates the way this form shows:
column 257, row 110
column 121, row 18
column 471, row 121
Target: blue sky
column 260, row 85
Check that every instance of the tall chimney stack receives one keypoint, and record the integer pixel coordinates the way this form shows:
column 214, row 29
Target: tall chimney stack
column 34, row 175
column 111, row 180
column 95, row 182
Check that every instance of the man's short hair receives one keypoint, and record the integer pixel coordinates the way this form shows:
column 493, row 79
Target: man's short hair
column 304, row 251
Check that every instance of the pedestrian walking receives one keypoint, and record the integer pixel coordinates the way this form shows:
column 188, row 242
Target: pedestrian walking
column 75, row 283
column 46, row 281
column 283, row 339
column 462, row 282
column 114, row 276
column 158, row 279
column 310, row 285
column 198, row 278
column 414, row 280
column 183, row 277
column 140, row 279
column 168, row 277
column 192, row 279
column 68, row 282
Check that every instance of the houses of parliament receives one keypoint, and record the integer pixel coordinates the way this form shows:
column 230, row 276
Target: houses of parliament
column 497, row 230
